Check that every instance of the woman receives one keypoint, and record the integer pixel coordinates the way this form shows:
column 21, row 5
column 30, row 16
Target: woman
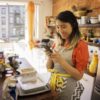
column 70, row 56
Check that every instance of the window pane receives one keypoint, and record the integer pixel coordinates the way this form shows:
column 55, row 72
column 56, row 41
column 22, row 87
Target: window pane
column 13, row 19
column 3, row 20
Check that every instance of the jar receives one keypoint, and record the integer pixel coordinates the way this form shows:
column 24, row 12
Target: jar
column 83, row 20
column 99, row 17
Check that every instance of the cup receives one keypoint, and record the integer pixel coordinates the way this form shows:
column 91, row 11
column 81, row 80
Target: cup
column 99, row 17
column 83, row 20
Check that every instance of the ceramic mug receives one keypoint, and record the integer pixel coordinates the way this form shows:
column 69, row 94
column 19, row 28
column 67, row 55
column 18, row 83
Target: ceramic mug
column 83, row 20
column 99, row 17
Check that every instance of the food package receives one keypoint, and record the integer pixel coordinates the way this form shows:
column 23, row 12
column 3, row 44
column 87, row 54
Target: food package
column 28, row 75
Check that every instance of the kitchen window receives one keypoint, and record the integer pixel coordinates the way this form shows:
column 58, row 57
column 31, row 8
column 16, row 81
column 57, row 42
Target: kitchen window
column 13, row 18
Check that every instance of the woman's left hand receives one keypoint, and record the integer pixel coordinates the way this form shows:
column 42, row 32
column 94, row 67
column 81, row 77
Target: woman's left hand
column 56, row 57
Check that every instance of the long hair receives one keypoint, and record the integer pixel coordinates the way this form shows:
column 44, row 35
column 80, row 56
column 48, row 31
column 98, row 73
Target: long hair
column 68, row 17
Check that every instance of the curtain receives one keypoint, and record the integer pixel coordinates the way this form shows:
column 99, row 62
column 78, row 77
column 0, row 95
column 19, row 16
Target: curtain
column 31, row 14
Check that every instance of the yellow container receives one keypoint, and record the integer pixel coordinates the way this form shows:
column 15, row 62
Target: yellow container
column 94, row 63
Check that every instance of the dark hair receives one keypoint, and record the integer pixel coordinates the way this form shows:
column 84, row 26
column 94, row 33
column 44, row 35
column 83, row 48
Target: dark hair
column 68, row 16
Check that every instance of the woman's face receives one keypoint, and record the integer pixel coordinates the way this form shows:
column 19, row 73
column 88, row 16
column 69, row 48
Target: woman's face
column 63, row 28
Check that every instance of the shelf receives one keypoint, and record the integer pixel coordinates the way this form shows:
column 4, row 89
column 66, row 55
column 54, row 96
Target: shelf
column 93, row 44
column 50, row 21
column 89, row 25
column 52, row 26
column 84, row 25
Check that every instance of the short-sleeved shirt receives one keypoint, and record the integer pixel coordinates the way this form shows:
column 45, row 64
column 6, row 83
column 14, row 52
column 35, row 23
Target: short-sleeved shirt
column 80, row 56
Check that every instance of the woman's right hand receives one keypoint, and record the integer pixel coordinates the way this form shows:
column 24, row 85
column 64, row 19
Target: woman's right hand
column 48, row 53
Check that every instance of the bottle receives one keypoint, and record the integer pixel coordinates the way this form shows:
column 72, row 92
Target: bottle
column 90, row 55
column 90, row 35
column 12, row 86
column 93, row 65
column 10, row 89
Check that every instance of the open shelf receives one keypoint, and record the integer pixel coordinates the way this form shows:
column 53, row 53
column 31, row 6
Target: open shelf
column 93, row 44
column 89, row 25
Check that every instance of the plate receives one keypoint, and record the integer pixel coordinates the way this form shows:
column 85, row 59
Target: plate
column 31, row 85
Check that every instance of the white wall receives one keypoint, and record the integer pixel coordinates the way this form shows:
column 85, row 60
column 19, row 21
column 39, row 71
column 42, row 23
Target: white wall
column 45, row 10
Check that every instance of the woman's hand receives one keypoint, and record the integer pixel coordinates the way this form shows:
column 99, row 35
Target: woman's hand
column 48, row 53
column 56, row 57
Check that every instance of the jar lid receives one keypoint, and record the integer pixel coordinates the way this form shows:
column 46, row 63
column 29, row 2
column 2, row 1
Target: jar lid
column 8, row 75
column 9, row 68
column 9, row 72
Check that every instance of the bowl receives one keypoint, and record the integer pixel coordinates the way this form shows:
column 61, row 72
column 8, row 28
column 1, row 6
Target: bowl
column 94, row 20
